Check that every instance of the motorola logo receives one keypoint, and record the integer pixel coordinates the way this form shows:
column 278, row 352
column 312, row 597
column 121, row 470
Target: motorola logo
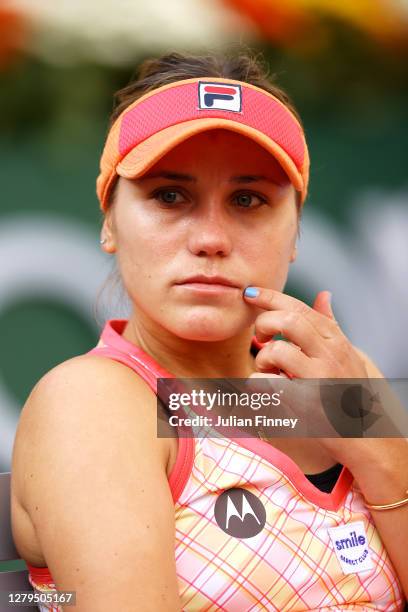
column 239, row 513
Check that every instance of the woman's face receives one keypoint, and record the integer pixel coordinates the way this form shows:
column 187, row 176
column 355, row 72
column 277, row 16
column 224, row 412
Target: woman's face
column 217, row 204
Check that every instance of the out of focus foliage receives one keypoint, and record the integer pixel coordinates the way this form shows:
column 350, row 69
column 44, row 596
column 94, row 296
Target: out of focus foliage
column 353, row 73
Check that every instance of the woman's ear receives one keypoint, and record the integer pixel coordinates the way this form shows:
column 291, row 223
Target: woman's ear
column 293, row 255
column 108, row 243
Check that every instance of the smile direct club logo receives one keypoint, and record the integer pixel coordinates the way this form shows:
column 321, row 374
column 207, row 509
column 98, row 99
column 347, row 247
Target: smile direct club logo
column 351, row 548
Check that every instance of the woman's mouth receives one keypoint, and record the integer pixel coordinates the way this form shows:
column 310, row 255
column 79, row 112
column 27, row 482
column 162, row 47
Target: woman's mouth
column 208, row 284
column 208, row 288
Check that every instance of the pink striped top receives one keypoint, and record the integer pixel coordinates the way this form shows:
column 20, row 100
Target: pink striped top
column 252, row 532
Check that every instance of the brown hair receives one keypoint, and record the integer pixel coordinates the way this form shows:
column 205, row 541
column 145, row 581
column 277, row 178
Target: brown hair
column 241, row 65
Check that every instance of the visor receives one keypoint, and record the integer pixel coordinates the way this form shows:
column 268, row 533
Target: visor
column 163, row 118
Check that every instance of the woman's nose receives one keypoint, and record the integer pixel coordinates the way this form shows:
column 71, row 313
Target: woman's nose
column 210, row 234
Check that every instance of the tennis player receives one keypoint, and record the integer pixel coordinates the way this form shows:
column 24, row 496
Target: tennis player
column 202, row 182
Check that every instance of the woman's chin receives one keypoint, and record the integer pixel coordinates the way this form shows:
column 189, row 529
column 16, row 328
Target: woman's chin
column 199, row 336
column 210, row 328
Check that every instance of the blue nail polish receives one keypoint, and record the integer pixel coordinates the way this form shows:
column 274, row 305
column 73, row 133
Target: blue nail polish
column 251, row 292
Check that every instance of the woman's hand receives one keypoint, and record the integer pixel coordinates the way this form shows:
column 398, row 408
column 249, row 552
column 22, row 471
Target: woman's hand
column 317, row 349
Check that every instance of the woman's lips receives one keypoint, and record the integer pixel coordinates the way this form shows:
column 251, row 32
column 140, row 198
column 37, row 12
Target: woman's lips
column 208, row 288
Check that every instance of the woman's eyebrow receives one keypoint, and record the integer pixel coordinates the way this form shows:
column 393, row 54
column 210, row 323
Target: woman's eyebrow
column 174, row 176
column 251, row 178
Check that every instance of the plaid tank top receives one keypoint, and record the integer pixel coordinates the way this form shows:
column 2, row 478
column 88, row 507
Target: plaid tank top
column 252, row 532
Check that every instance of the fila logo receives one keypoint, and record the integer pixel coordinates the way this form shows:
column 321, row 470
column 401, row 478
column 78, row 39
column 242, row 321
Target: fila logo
column 219, row 96
column 239, row 513
column 351, row 547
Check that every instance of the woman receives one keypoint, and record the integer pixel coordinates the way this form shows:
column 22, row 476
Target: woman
column 203, row 178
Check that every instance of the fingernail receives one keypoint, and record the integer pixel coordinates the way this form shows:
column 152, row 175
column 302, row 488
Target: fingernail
column 251, row 292
column 330, row 297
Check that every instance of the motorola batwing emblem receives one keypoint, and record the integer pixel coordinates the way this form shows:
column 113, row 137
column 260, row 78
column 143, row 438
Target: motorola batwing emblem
column 239, row 513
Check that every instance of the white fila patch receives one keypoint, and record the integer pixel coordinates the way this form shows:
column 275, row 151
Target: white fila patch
column 219, row 96
column 350, row 544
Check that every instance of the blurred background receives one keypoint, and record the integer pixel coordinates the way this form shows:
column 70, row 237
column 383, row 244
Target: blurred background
column 345, row 64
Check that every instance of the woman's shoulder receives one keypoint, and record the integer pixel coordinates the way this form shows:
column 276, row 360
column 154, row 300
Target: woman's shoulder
column 90, row 377
column 87, row 402
column 83, row 390
column 90, row 369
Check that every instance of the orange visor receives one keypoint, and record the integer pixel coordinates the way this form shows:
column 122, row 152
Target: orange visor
column 161, row 119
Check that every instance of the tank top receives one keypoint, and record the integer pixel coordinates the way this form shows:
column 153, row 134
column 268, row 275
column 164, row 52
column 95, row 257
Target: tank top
column 252, row 531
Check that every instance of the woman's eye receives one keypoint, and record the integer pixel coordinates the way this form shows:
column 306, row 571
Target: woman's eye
column 168, row 196
column 246, row 199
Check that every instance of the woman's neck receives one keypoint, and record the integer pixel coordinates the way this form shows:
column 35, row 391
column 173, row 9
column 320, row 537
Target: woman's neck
column 229, row 358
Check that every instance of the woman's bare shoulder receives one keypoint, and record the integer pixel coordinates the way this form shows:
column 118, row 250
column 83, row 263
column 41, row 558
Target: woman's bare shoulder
column 96, row 379
column 88, row 371
column 87, row 393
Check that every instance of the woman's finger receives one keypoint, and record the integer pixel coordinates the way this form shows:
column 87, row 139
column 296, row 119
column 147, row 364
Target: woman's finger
column 286, row 357
column 293, row 326
column 271, row 300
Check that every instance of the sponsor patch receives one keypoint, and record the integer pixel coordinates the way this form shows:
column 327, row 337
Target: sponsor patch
column 351, row 547
column 219, row 96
